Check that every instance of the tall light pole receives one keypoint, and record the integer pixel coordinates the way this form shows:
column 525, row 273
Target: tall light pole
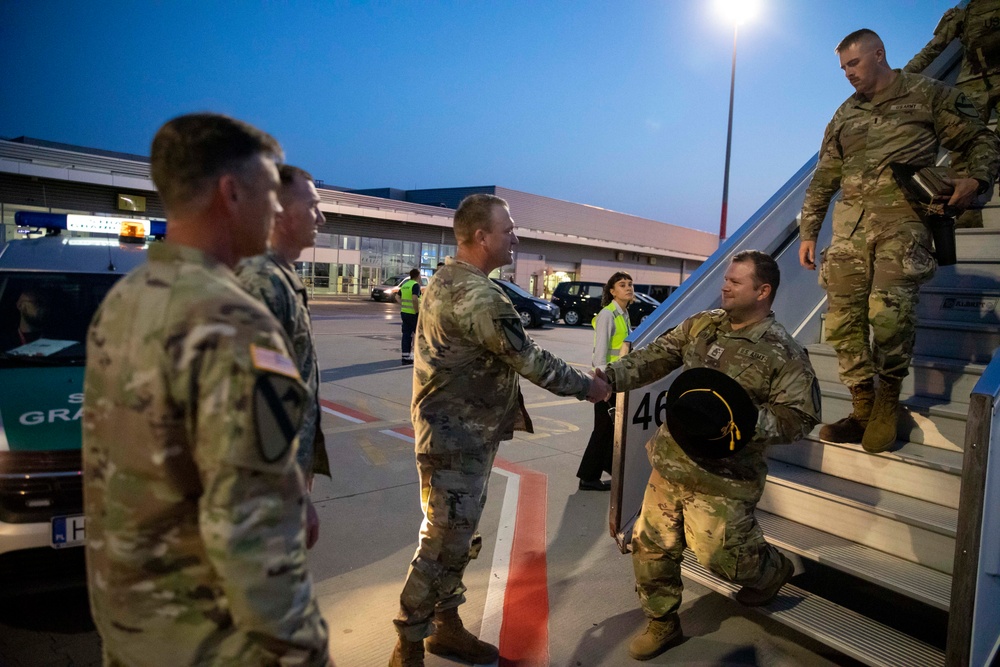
column 737, row 11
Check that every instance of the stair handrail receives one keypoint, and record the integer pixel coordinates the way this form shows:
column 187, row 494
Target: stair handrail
column 974, row 618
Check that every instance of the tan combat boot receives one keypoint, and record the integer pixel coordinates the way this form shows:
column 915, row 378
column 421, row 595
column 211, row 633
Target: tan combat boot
column 880, row 434
column 656, row 637
column 407, row 654
column 852, row 427
column 451, row 639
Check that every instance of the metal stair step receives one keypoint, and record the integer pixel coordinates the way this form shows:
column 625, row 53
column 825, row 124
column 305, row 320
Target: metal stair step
column 914, row 581
column 975, row 245
column 908, row 528
column 973, row 276
column 967, row 341
column 960, row 305
column 851, row 633
column 926, row 421
column 932, row 377
column 913, row 470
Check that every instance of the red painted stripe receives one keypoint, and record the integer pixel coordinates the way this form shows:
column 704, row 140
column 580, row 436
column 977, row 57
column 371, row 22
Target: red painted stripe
column 524, row 632
column 348, row 411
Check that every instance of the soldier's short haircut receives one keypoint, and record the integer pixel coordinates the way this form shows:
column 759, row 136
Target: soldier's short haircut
column 765, row 269
column 475, row 213
column 606, row 297
column 189, row 152
column 288, row 173
column 858, row 36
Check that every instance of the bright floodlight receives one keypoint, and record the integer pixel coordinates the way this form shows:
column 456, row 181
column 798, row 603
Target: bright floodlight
column 737, row 11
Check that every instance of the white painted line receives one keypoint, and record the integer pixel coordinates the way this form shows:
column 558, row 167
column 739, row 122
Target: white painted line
column 493, row 610
column 401, row 436
column 347, row 417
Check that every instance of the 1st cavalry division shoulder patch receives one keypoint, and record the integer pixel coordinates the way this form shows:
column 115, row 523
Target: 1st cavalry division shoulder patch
column 278, row 405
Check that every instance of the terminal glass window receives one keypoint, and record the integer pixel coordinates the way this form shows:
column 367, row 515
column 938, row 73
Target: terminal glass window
column 446, row 251
column 411, row 256
column 429, row 256
column 349, row 242
column 347, row 278
column 371, row 251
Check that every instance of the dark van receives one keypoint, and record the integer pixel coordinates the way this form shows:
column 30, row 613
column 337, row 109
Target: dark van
column 579, row 302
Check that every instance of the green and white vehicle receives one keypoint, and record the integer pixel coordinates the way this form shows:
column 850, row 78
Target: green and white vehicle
column 50, row 287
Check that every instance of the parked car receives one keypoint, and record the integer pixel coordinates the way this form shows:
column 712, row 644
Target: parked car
column 534, row 311
column 579, row 302
column 658, row 292
column 387, row 290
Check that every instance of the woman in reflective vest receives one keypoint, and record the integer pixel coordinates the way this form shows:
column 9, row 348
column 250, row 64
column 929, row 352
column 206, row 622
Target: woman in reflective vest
column 611, row 326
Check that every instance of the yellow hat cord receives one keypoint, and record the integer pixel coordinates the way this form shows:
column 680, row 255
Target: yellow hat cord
column 730, row 429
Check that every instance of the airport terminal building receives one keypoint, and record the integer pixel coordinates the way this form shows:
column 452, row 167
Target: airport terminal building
column 371, row 235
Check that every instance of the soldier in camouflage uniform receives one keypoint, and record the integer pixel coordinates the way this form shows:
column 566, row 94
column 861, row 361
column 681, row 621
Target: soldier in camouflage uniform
column 880, row 252
column 708, row 505
column 977, row 27
column 271, row 278
column 194, row 503
column 470, row 350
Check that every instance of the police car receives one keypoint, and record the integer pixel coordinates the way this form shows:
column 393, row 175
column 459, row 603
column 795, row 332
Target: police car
column 50, row 287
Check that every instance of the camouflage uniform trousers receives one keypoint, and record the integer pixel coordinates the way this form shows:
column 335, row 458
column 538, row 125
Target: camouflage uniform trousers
column 875, row 282
column 720, row 530
column 452, row 497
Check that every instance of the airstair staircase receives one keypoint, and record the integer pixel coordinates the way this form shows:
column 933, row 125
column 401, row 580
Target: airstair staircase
column 875, row 535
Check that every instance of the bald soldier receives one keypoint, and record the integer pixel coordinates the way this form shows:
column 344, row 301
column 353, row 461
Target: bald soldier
column 192, row 402
column 271, row 277
column 880, row 254
column 470, row 350
column 977, row 27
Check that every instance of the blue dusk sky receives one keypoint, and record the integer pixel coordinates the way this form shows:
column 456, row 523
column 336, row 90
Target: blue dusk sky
column 618, row 104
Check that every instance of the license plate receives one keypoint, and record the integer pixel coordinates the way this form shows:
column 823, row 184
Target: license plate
column 68, row 531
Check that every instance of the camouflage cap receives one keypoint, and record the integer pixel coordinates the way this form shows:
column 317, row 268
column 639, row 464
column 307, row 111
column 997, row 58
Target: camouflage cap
column 709, row 414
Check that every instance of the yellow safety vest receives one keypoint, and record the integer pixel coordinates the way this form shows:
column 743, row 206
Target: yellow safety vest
column 621, row 332
column 406, row 296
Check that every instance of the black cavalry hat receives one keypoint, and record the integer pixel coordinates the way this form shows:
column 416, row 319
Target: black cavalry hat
column 709, row 414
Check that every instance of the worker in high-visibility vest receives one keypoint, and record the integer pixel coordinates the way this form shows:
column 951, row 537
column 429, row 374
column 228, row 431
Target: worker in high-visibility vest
column 611, row 326
column 408, row 298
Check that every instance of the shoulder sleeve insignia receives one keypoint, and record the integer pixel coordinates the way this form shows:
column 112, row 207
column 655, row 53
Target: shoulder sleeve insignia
column 965, row 106
column 514, row 332
column 278, row 405
column 272, row 361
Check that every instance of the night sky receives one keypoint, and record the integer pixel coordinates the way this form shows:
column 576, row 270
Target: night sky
column 620, row 104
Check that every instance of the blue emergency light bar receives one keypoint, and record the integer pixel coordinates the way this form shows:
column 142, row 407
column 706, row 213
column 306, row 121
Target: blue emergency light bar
column 96, row 224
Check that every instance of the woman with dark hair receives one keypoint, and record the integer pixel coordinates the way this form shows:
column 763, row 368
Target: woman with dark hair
column 611, row 326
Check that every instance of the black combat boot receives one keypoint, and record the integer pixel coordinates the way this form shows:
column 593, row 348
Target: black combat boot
column 451, row 639
column 880, row 433
column 852, row 427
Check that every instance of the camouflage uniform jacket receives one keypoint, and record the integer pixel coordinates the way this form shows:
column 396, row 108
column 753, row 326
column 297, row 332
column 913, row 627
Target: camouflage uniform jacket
column 470, row 349
column 907, row 122
column 977, row 26
column 194, row 503
column 271, row 279
column 764, row 359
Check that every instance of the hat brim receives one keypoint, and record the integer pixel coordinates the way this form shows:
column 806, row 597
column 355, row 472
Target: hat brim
column 744, row 414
